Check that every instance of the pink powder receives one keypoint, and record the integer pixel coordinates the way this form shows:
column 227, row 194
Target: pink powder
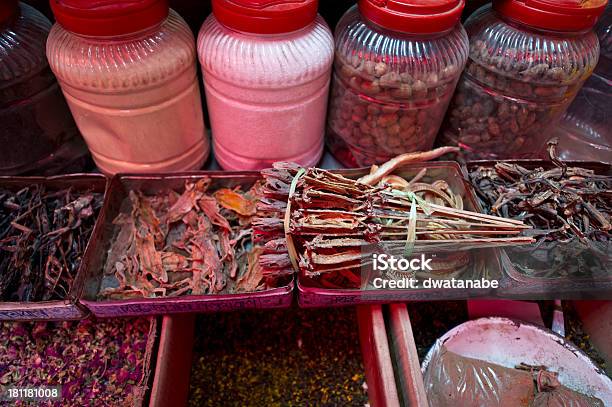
column 266, row 94
column 135, row 98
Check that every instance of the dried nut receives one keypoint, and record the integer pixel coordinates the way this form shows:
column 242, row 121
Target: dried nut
column 390, row 79
column 394, row 129
column 387, row 119
column 368, row 67
column 404, row 91
column 360, row 110
column 505, row 103
column 370, row 87
column 347, row 71
column 406, row 122
column 380, row 69
column 390, row 109
column 394, row 142
column 419, row 89
column 421, row 118
column 406, row 78
column 373, row 109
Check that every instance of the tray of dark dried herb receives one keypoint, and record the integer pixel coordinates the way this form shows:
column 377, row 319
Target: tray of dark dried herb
column 292, row 357
column 179, row 243
column 344, row 222
column 45, row 227
column 93, row 362
column 568, row 205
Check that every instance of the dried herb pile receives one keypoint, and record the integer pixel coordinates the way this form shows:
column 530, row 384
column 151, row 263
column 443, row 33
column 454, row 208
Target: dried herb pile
column 97, row 363
column 193, row 243
column 43, row 235
column 293, row 357
column 569, row 208
column 331, row 219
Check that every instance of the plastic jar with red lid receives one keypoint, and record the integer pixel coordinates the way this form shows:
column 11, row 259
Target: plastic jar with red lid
column 128, row 70
column 37, row 132
column 528, row 59
column 396, row 68
column 266, row 67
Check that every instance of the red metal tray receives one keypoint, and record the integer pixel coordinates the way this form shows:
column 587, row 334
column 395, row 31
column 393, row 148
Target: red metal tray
column 310, row 295
column 596, row 318
column 66, row 309
column 404, row 351
column 118, row 190
column 173, row 368
column 380, row 376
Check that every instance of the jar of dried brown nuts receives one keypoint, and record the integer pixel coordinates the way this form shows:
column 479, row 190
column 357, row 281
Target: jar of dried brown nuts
column 528, row 59
column 396, row 68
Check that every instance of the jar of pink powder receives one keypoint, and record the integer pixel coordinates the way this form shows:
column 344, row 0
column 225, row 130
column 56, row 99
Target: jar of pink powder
column 396, row 68
column 128, row 71
column 267, row 67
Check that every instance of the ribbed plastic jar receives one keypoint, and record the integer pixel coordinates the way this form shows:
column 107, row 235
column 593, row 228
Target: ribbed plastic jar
column 395, row 72
column 128, row 71
column 584, row 133
column 528, row 60
column 266, row 71
column 35, row 122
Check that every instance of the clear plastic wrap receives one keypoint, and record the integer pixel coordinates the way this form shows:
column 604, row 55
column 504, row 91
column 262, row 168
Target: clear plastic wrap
column 500, row 362
column 455, row 380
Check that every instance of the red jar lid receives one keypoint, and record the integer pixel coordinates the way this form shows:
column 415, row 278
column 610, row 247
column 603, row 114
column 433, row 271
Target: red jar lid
column 8, row 8
column 556, row 15
column 413, row 16
column 103, row 18
column 265, row 16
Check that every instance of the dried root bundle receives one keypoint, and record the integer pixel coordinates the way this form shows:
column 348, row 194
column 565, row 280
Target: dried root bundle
column 320, row 222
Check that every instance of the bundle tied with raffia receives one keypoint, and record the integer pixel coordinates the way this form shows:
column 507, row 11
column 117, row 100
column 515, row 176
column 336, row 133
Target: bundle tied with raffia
column 319, row 222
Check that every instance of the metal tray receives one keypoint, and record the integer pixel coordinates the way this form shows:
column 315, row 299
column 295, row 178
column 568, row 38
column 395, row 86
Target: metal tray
column 118, row 190
column 66, row 309
column 311, row 295
column 523, row 285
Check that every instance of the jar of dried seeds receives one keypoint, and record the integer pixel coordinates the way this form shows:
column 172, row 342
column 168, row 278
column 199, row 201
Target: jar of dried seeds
column 396, row 68
column 528, row 59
